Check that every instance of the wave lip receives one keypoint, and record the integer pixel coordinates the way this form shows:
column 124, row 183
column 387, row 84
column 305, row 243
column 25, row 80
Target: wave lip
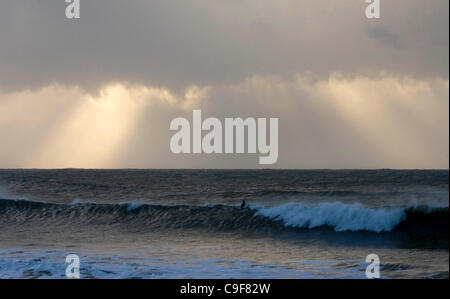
column 339, row 216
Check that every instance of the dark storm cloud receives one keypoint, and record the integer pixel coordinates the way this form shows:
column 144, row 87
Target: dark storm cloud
column 177, row 43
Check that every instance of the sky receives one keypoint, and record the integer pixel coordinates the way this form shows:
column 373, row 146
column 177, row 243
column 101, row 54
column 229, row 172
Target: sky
column 101, row 91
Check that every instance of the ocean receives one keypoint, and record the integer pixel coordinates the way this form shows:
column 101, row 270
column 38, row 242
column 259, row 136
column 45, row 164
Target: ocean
column 189, row 223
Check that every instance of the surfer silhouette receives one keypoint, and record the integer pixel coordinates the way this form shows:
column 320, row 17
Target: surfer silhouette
column 243, row 204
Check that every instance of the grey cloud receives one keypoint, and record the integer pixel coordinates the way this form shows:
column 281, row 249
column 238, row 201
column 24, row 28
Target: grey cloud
column 177, row 43
column 383, row 35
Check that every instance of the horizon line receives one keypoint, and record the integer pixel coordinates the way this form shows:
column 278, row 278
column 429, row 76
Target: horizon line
column 274, row 169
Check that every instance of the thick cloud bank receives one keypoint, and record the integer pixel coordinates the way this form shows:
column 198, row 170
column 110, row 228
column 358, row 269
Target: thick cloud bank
column 100, row 91
column 174, row 44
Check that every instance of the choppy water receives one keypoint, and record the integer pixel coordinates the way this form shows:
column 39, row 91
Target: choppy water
column 188, row 224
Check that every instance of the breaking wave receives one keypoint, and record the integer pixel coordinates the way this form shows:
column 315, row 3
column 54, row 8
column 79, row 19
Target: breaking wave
column 337, row 216
column 340, row 217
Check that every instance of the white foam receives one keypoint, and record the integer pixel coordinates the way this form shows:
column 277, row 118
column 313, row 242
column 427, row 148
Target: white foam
column 44, row 264
column 341, row 217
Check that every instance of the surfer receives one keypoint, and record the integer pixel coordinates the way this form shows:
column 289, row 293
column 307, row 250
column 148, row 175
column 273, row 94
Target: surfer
column 243, row 204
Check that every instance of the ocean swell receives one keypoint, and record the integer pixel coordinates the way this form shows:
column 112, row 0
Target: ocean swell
column 337, row 216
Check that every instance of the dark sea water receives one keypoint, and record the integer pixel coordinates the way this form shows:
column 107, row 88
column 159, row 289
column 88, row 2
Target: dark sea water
column 189, row 224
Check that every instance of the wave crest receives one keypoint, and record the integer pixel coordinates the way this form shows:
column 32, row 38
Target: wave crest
column 340, row 217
